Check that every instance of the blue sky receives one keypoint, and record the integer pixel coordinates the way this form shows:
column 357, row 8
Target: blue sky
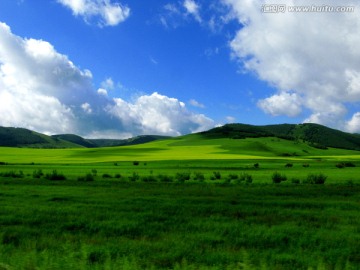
column 124, row 68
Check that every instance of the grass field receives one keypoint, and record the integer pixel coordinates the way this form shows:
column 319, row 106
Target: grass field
column 137, row 212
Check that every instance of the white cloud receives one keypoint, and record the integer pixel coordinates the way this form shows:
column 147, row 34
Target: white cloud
column 159, row 114
column 104, row 12
column 195, row 103
column 43, row 90
column 108, row 84
column 230, row 119
column 353, row 125
column 86, row 107
column 283, row 104
column 192, row 8
column 313, row 55
column 102, row 91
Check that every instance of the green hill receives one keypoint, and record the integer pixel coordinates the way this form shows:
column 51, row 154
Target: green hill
column 315, row 135
column 75, row 139
column 21, row 137
column 131, row 141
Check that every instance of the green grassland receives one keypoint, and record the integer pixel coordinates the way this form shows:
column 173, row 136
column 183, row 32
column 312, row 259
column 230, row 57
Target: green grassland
column 119, row 221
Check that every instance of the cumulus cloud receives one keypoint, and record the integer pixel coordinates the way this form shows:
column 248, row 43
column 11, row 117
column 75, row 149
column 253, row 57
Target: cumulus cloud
column 282, row 104
column 43, row 90
column 192, row 8
column 314, row 55
column 195, row 103
column 103, row 12
column 159, row 114
column 108, row 84
column 102, row 91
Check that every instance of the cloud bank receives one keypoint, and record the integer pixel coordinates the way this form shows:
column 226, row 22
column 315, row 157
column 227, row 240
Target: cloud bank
column 43, row 90
column 103, row 12
column 311, row 58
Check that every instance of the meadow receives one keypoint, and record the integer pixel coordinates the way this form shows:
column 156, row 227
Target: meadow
column 182, row 203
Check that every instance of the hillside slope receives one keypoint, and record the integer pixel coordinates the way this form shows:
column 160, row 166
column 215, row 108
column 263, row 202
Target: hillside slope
column 316, row 135
column 21, row 137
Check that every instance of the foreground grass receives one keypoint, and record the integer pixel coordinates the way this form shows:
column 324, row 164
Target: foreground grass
column 123, row 225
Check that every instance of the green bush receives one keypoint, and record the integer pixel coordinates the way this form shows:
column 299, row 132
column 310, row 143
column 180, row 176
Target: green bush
column 118, row 175
column 148, row 178
column 256, row 165
column 345, row 164
column 199, row 176
column 217, row 175
column 306, row 165
column 94, row 172
column 165, row 178
column 135, row 177
column 12, row 174
column 278, row 177
column 55, row 176
column 295, row 180
column 136, row 163
column 182, row 177
column 87, row 178
column 317, row 179
column 288, row 165
column 38, row 173
column 232, row 176
column 106, row 175
column 246, row 177
column 340, row 165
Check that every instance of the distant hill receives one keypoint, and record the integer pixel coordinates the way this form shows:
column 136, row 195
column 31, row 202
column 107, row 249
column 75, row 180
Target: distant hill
column 131, row 141
column 316, row 135
column 21, row 137
column 75, row 139
column 313, row 134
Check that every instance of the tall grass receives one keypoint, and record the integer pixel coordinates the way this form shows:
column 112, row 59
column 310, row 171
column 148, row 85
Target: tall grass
column 108, row 224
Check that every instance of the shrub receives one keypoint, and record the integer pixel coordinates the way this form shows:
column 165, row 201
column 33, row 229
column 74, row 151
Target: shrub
column 148, row 178
column 340, row 165
column 3, row 163
column 233, row 176
column 349, row 164
column 317, row 179
column 135, row 177
column 106, row 175
column 246, row 177
column 217, row 175
column 87, row 178
column 278, row 177
column 306, row 165
column 182, row 177
column 199, row 176
column 94, row 172
column 118, row 175
column 12, row 174
column 136, row 163
column 256, row 165
column 345, row 164
column 55, row 176
column 295, row 180
column 288, row 165
column 164, row 178
column 38, row 173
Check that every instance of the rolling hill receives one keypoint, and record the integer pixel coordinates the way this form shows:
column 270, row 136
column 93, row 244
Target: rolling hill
column 315, row 135
column 21, row 137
